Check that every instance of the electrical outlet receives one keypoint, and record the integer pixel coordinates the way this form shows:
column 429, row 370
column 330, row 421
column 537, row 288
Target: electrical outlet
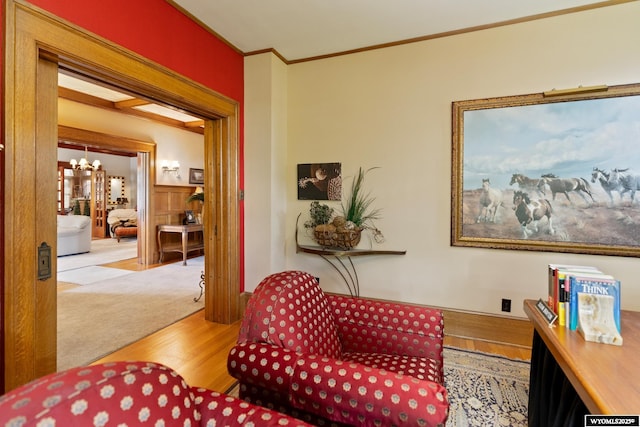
column 506, row 305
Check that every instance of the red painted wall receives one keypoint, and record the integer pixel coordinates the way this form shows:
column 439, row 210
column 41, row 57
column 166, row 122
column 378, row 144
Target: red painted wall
column 158, row 31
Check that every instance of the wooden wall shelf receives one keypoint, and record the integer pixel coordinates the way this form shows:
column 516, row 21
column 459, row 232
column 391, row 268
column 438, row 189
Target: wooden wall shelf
column 319, row 250
column 336, row 257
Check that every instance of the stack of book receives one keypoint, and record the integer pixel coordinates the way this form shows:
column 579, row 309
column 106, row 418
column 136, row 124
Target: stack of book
column 587, row 300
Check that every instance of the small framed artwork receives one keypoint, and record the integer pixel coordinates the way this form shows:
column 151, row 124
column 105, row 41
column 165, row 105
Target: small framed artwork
column 196, row 176
column 189, row 217
column 320, row 181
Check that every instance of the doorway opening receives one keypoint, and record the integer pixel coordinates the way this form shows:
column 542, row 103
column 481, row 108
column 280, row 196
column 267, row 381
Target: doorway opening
column 107, row 278
column 31, row 83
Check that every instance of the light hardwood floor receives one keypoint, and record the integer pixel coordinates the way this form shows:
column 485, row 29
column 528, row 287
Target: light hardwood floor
column 197, row 349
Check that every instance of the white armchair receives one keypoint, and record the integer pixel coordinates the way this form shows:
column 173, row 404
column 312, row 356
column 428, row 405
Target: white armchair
column 74, row 234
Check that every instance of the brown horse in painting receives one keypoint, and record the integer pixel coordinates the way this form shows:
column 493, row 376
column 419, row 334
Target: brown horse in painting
column 564, row 186
column 531, row 212
column 525, row 183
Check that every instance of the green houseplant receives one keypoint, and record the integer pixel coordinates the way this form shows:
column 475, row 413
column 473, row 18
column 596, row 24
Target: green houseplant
column 198, row 194
column 358, row 214
column 344, row 231
column 357, row 208
column 320, row 216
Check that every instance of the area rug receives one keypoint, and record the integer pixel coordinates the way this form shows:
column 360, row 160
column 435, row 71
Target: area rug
column 102, row 251
column 90, row 274
column 483, row 389
column 101, row 317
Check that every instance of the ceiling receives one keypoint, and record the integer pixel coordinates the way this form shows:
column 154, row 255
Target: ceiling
column 304, row 29
column 301, row 30
column 85, row 91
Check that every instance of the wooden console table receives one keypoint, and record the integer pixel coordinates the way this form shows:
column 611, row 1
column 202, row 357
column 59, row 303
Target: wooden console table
column 571, row 377
column 186, row 245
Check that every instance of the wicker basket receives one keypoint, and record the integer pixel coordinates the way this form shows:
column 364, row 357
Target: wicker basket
column 347, row 239
column 325, row 238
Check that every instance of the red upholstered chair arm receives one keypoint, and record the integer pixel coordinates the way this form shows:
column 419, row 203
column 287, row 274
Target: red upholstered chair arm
column 354, row 394
column 218, row 409
column 370, row 326
column 263, row 365
column 120, row 392
column 128, row 393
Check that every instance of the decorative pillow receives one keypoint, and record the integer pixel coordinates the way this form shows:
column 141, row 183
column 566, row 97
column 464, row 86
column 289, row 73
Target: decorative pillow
column 289, row 309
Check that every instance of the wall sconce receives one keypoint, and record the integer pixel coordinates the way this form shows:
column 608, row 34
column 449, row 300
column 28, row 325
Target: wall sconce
column 173, row 167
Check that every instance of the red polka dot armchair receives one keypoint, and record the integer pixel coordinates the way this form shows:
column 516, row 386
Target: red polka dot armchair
column 128, row 393
column 338, row 360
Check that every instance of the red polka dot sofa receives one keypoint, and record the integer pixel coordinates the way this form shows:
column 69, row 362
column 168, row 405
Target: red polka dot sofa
column 128, row 394
column 338, row 360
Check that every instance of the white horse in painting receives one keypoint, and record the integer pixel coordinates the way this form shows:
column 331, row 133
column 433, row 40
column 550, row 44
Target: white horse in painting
column 607, row 184
column 490, row 201
column 627, row 180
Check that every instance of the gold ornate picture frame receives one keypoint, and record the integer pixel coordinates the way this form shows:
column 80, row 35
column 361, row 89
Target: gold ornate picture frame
column 556, row 171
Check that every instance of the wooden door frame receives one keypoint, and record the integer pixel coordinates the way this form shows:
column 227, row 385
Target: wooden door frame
column 32, row 34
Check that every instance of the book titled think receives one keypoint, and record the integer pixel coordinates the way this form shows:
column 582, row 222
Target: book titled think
column 595, row 309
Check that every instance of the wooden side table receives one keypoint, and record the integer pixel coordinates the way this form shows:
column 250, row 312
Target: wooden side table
column 186, row 245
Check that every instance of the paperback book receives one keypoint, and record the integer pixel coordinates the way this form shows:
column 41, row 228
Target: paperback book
column 557, row 293
column 595, row 307
column 566, row 286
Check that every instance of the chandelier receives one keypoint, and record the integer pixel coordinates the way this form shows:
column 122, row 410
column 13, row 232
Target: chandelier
column 84, row 164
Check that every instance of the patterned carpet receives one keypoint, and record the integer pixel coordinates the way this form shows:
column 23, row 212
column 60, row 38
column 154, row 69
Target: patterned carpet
column 484, row 390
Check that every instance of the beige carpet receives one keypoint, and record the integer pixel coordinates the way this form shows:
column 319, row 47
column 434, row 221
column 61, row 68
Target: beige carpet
column 98, row 318
column 102, row 251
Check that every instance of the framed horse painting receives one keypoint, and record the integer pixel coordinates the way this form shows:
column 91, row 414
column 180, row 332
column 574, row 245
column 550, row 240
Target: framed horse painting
column 556, row 171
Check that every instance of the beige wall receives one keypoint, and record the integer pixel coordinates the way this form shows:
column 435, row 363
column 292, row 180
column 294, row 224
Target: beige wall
column 392, row 108
column 265, row 166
